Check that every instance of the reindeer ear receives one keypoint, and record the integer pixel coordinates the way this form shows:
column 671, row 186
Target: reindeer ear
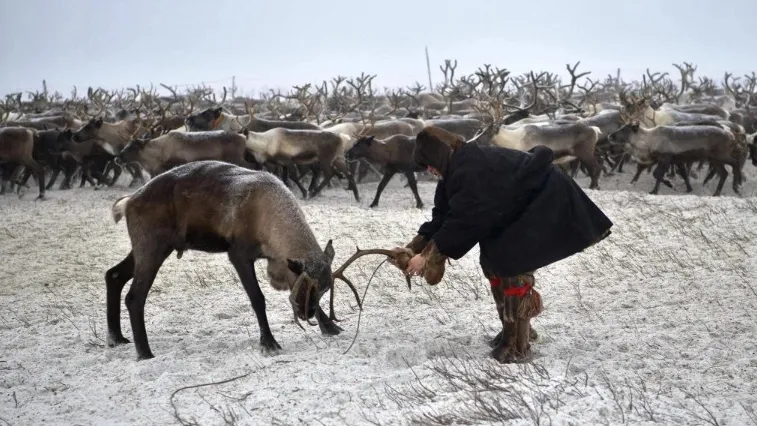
column 99, row 122
column 245, row 131
column 370, row 138
column 218, row 110
column 295, row 266
column 329, row 251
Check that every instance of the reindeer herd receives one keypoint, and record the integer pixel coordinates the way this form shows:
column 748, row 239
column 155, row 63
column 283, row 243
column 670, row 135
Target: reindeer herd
column 346, row 129
column 212, row 201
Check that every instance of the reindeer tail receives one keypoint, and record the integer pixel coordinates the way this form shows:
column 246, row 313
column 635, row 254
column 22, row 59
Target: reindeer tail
column 119, row 207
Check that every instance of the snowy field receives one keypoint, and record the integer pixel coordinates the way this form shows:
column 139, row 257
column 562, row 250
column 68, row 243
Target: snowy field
column 654, row 325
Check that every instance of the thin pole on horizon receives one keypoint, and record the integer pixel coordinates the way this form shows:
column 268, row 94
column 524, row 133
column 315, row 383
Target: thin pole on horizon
column 428, row 68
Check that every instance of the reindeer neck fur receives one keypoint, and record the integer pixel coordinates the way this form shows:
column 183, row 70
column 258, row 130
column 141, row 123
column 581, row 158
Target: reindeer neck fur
column 651, row 118
column 120, row 133
column 509, row 137
column 285, row 234
column 379, row 151
column 79, row 148
column 232, row 123
column 263, row 145
column 346, row 128
column 150, row 156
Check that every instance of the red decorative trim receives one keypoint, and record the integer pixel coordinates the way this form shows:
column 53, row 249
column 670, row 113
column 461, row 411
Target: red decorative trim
column 518, row 291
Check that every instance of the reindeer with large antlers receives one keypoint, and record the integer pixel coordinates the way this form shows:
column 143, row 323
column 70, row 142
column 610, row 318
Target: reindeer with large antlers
column 216, row 207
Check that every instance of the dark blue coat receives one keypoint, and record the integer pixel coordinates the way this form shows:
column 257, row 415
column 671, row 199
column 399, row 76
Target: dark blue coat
column 522, row 211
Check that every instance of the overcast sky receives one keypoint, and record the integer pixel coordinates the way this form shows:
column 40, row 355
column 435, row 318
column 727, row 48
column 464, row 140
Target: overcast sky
column 116, row 44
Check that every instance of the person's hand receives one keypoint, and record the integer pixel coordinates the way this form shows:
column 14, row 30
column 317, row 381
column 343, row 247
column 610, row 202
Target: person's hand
column 416, row 265
column 402, row 256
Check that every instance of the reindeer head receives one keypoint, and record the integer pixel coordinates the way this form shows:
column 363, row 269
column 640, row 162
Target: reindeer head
column 314, row 279
column 632, row 107
column 64, row 137
column 205, row 120
column 623, row 135
column 516, row 116
column 360, row 148
column 89, row 131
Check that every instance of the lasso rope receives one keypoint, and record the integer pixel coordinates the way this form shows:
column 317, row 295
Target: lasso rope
column 360, row 314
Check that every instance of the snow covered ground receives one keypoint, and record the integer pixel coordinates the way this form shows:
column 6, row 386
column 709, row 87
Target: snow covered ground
column 654, row 325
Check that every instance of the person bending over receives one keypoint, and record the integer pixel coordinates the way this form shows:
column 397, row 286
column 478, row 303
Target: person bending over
column 522, row 211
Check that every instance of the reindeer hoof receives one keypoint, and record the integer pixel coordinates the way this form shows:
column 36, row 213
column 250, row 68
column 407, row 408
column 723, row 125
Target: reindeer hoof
column 330, row 329
column 142, row 357
column 373, row 204
column 40, row 197
column 269, row 346
column 114, row 341
column 419, row 206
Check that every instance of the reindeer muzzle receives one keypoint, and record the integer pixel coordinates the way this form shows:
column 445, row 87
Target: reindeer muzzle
column 301, row 311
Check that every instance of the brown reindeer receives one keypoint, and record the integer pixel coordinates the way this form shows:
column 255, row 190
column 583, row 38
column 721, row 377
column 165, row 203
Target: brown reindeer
column 174, row 148
column 216, row 119
column 216, row 207
column 395, row 154
column 306, row 147
column 113, row 138
column 92, row 157
column 17, row 146
column 675, row 145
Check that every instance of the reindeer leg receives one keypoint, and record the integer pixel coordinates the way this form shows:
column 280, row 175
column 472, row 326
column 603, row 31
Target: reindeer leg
column 117, row 170
column 639, row 168
column 326, row 324
column 594, row 169
column 681, row 168
column 24, row 178
column 53, row 177
column 39, row 174
column 146, row 266
column 312, row 188
column 291, row 171
column 723, row 176
column 414, row 187
column 356, row 170
column 710, row 174
column 115, row 279
column 239, row 257
column 136, row 175
column 384, row 181
column 340, row 165
column 659, row 174
column 573, row 168
column 737, row 177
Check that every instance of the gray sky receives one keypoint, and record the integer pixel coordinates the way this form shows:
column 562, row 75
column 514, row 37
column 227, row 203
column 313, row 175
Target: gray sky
column 117, row 44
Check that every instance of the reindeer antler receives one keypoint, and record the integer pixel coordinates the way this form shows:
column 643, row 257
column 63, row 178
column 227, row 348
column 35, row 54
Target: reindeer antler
column 339, row 273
